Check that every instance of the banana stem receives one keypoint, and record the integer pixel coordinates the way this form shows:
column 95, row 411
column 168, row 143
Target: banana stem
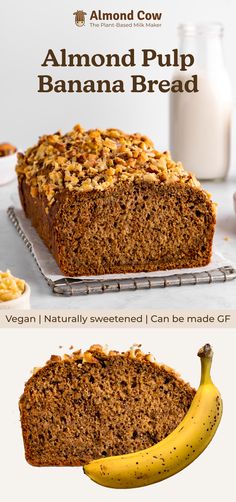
column 206, row 355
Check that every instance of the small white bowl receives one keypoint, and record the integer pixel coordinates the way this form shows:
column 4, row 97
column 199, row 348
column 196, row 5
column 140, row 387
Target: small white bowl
column 7, row 168
column 23, row 302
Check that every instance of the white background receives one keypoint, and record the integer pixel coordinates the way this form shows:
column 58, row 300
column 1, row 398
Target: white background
column 211, row 478
column 29, row 29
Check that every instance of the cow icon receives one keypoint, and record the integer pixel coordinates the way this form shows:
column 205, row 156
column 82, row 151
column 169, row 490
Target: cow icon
column 79, row 17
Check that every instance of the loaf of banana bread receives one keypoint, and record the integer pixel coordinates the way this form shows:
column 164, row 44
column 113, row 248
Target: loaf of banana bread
column 108, row 202
column 96, row 404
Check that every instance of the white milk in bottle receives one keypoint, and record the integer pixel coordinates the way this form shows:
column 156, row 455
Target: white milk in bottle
column 200, row 123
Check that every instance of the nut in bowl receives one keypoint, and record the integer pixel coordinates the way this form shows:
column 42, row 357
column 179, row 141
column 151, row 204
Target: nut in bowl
column 8, row 160
column 14, row 292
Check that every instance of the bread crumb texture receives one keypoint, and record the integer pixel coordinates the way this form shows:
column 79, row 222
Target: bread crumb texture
column 99, row 403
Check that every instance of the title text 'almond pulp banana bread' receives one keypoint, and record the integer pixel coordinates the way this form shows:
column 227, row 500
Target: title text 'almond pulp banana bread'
column 87, row 406
column 108, row 202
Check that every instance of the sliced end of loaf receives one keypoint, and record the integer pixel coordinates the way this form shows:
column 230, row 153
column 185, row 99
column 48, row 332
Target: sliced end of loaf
column 87, row 406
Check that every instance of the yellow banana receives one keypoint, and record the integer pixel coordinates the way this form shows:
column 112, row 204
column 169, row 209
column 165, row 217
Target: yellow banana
column 173, row 453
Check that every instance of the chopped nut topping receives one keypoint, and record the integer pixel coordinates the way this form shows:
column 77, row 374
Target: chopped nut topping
column 95, row 160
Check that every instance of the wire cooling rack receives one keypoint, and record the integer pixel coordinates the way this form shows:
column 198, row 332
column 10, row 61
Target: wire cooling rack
column 76, row 287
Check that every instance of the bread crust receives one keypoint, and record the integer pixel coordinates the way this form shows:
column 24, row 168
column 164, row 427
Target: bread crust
column 130, row 227
column 107, row 202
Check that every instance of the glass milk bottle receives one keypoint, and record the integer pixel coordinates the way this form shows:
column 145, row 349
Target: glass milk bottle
column 200, row 123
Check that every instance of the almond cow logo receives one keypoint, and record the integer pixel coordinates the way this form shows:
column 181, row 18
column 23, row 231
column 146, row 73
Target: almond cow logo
column 79, row 17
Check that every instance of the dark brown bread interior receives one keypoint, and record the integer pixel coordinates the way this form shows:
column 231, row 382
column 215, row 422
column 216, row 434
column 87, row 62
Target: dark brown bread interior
column 73, row 411
column 131, row 227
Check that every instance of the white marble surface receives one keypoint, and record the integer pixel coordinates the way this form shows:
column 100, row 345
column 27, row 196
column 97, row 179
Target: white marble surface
column 15, row 256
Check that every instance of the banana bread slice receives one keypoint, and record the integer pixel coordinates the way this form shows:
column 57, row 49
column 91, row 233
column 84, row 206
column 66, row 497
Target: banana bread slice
column 87, row 406
column 107, row 202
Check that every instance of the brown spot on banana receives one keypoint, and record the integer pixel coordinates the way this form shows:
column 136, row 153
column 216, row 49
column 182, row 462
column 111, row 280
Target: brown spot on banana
column 146, row 467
